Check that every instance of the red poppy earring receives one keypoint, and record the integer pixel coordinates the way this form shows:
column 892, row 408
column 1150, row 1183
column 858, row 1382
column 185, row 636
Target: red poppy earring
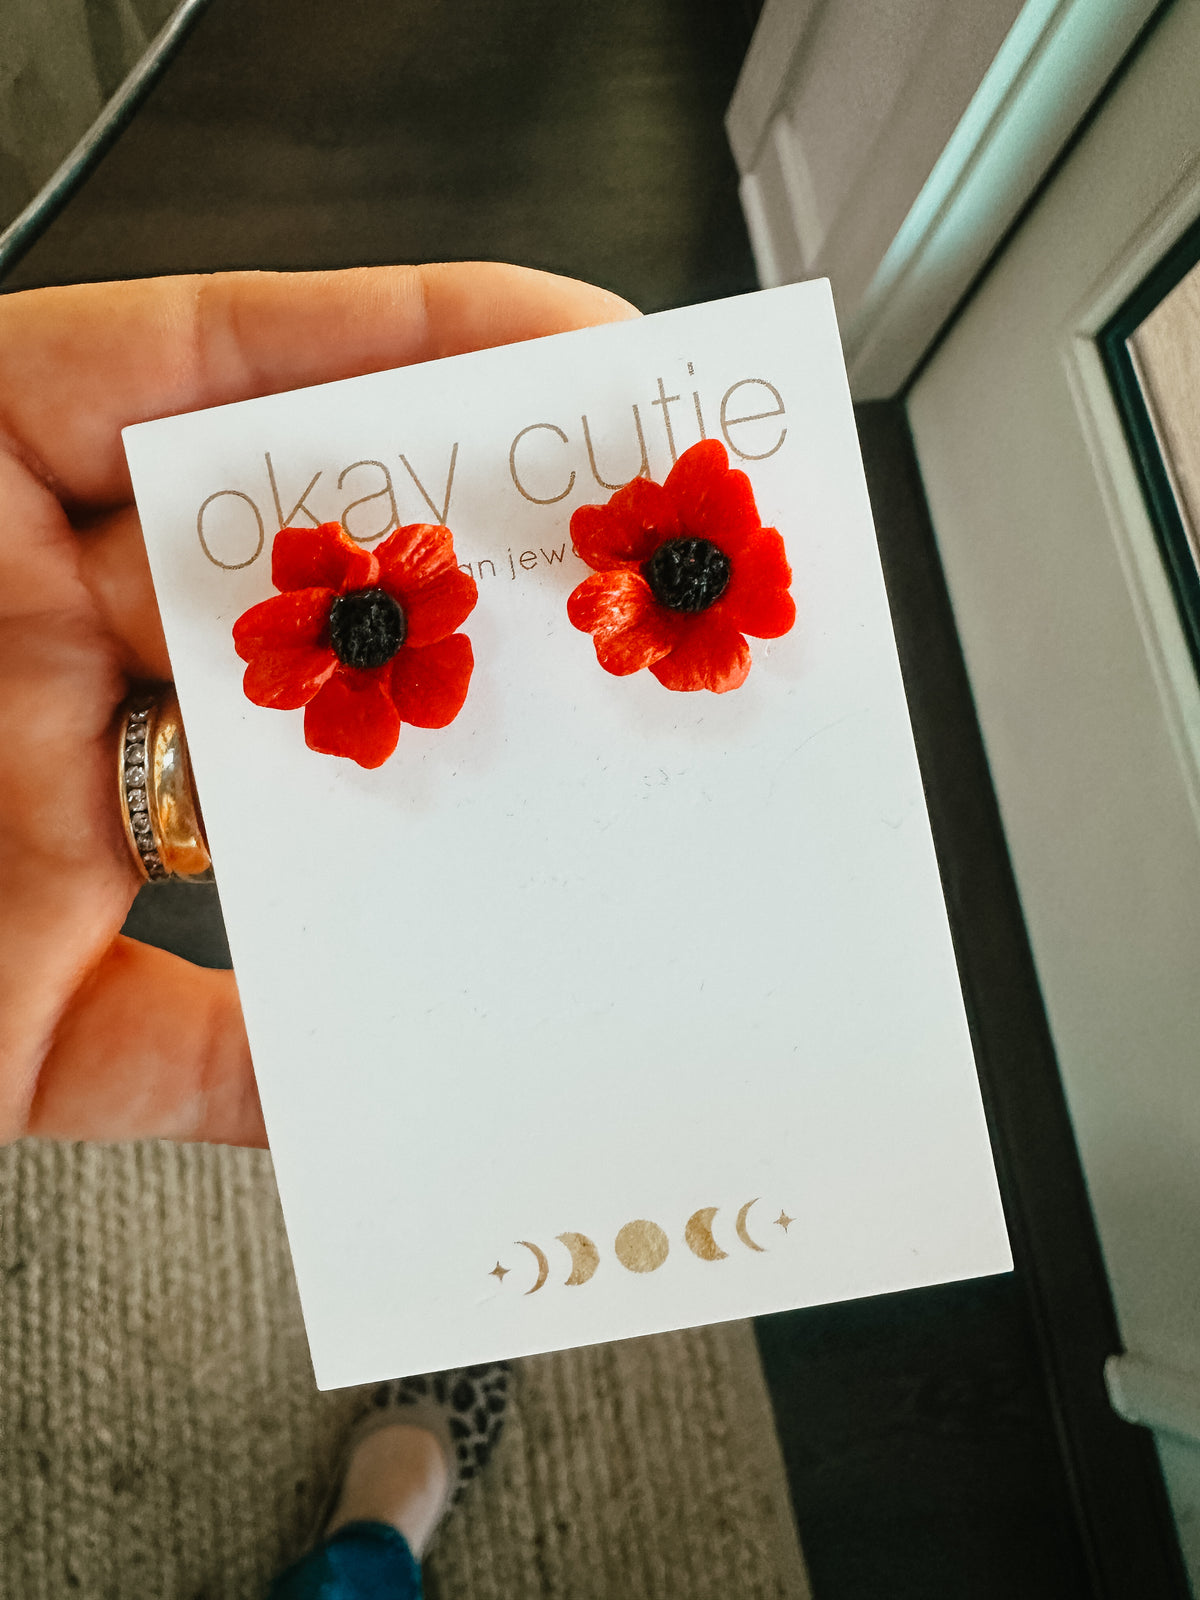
column 364, row 640
column 682, row 571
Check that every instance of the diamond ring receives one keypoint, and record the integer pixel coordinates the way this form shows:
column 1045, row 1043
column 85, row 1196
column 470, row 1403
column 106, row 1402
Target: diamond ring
column 159, row 808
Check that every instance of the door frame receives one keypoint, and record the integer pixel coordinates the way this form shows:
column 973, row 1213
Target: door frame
column 1016, row 97
column 1016, row 395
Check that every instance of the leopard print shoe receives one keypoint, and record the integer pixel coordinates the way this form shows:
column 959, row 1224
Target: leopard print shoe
column 463, row 1408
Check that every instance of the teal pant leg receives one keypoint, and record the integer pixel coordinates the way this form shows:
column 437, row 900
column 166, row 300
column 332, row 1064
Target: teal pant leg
column 362, row 1561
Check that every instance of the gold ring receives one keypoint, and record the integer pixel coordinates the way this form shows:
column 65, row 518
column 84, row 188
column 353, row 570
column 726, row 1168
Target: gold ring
column 159, row 808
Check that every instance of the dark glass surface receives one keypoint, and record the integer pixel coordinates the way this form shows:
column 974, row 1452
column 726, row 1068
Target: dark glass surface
column 1175, row 545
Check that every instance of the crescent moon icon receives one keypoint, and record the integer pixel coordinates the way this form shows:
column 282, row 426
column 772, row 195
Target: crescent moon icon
column 743, row 1232
column 543, row 1265
column 698, row 1235
column 585, row 1258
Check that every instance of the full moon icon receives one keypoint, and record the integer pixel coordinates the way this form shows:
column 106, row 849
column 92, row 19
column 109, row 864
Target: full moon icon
column 641, row 1246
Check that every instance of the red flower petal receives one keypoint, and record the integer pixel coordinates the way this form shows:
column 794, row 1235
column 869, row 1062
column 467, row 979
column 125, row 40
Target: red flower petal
column 711, row 501
column 630, row 629
column 353, row 716
column 763, row 613
column 626, row 531
column 284, row 622
column 324, row 557
column 284, row 680
column 417, row 567
column 429, row 685
column 701, row 499
column 436, row 609
column 757, row 600
column 414, row 555
column 711, row 655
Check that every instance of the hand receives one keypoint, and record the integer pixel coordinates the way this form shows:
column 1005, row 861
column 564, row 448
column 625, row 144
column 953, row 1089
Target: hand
column 102, row 1037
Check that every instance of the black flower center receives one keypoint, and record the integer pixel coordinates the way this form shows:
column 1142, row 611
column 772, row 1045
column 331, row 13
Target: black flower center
column 366, row 627
column 688, row 574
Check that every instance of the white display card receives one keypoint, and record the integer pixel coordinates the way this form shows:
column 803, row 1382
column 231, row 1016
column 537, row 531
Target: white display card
column 606, row 1009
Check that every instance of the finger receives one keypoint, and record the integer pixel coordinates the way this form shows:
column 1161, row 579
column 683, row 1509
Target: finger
column 150, row 1048
column 78, row 364
column 116, row 573
column 58, row 769
column 77, row 616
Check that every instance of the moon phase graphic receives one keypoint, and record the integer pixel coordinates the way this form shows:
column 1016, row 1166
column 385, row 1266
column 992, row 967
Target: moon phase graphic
column 743, row 1232
column 698, row 1235
column 641, row 1246
column 543, row 1265
column 585, row 1258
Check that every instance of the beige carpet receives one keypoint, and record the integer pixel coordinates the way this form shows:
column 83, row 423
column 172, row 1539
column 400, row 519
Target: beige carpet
column 161, row 1437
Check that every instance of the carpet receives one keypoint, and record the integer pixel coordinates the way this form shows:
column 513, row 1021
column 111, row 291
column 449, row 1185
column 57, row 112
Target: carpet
column 161, row 1435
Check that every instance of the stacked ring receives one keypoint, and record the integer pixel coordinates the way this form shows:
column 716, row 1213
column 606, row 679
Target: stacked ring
column 159, row 808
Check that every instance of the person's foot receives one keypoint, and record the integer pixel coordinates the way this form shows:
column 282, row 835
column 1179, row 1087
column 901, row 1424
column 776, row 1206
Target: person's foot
column 418, row 1446
column 396, row 1474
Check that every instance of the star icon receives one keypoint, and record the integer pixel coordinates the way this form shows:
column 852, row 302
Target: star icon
column 499, row 1273
column 784, row 1221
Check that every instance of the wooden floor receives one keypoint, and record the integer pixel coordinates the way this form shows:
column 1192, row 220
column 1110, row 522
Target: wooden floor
column 588, row 139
